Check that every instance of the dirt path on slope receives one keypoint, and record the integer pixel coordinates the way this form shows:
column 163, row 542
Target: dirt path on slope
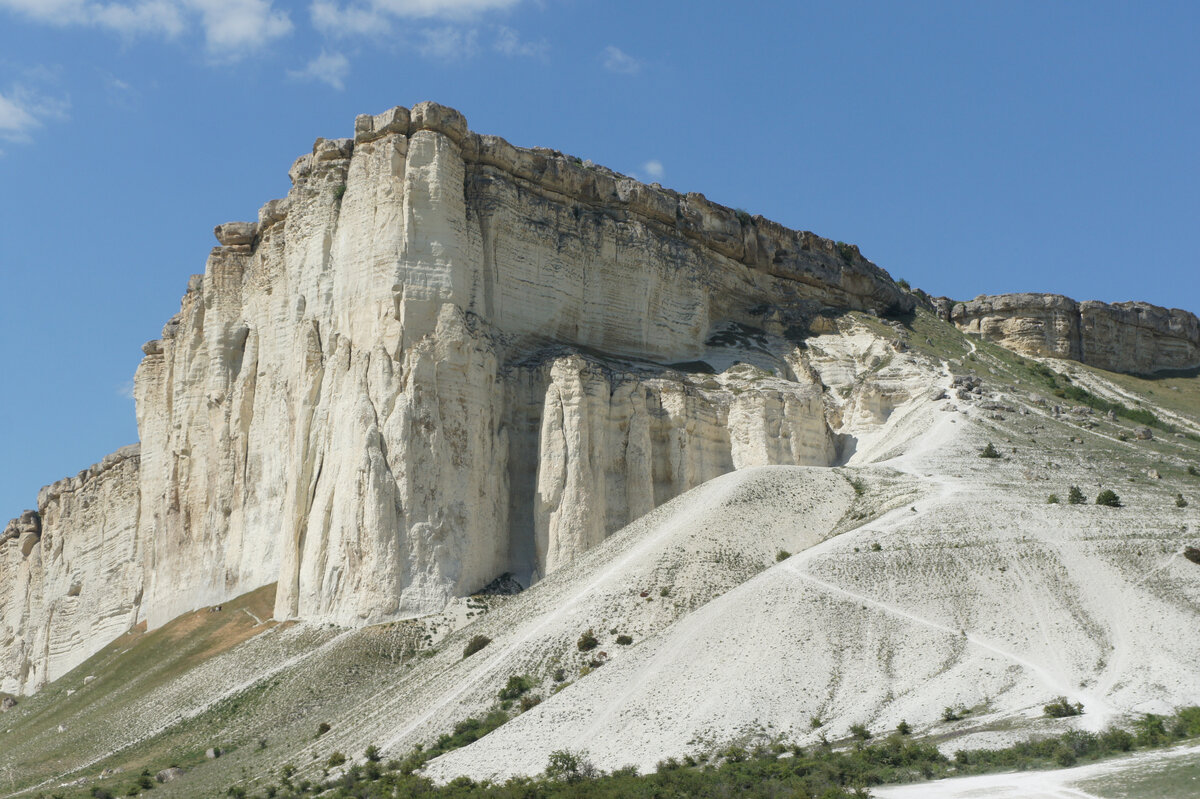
column 1051, row 784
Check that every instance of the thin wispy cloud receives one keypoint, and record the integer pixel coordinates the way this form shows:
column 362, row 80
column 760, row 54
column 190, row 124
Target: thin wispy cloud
column 448, row 43
column 653, row 168
column 328, row 68
column 622, row 63
column 24, row 110
column 408, row 9
column 231, row 28
column 508, row 42
column 333, row 19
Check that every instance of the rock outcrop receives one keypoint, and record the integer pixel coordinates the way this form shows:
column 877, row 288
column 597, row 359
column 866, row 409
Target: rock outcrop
column 440, row 358
column 70, row 573
column 1131, row 337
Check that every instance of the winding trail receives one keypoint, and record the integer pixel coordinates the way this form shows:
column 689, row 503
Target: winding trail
column 942, row 433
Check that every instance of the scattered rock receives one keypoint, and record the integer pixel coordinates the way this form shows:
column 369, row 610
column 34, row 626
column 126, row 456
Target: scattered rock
column 8, row 703
column 169, row 774
column 1144, row 434
column 213, row 752
column 1153, row 474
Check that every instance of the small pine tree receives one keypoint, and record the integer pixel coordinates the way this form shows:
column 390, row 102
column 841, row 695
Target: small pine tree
column 904, row 728
column 989, row 451
column 1108, row 499
column 1075, row 496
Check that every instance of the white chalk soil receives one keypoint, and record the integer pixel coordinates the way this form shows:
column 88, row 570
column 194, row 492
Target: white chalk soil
column 1077, row 782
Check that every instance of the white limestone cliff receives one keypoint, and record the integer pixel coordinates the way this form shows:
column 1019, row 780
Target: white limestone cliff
column 1131, row 337
column 70, row 574
column 440, row 358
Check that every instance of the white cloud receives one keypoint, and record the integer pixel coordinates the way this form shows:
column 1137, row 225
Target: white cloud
column 145, row 16
column 334, row 20
column 235, row 27
column 509, row 43
column 653, row 168
column 23, row 111
column 15, row 120
column 447, row 43
column 425, row 9
column 617, row 60
column 232, row 28
column 329, row 68
column 126, row 390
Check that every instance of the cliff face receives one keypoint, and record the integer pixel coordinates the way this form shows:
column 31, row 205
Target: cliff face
column 438, row 359
column 70, row 573
column 1132, row 337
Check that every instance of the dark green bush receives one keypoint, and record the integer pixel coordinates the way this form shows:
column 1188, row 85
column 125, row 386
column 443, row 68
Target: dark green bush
column 1052, row 499
column 587, row 642
column 1108, row 499
column 989, row 451
column 782, row 555
column 322, row 728
column 1061, row 708
column 1075, row 496
column 1180, row 502
column 335, row 759
column 624, row 640
column 569, row 767
column 904, row 728
column 1192, row 554
column 518, row 684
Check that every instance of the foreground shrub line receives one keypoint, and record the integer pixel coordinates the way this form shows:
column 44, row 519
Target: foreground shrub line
column 819, row 771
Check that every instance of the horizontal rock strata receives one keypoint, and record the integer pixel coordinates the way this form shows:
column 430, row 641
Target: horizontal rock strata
column 1131, row 337
column 71, row 573
column 439, row 358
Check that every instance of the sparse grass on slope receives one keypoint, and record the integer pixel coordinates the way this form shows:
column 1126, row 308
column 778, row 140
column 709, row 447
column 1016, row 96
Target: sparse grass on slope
column 46, row 733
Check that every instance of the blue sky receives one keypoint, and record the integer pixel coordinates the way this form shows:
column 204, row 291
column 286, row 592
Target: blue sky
column 969, row 147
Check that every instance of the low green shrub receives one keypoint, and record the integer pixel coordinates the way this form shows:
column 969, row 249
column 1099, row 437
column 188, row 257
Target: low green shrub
column 1075, row 496
column 1108, row 498
column 587, row 642
column 1061, row 708
column 518, row 684
column 989, row 451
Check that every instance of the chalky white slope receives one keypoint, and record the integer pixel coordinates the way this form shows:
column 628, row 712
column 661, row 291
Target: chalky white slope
column 972, row 593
